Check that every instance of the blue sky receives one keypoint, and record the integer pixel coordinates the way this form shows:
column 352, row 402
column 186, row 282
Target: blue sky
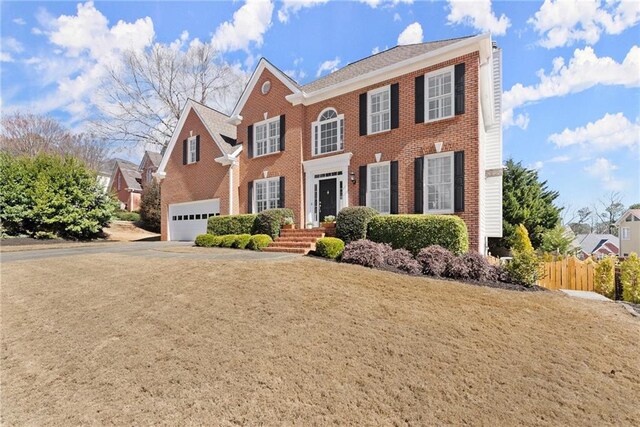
column 571, row 70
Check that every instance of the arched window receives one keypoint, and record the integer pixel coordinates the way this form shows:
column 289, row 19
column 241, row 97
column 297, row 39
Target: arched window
column 328, row 132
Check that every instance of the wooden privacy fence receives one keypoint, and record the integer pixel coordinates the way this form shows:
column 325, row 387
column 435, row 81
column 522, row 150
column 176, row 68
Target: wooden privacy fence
column 569, row 273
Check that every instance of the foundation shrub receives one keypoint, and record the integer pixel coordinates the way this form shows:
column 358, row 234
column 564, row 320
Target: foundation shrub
column 228, row 240
column 366, row 253
column 231, row 224
column 205, row 240
column 478, row 268
column 630, row 278
column 351, row 223
column 270, row 221
column 401, row 259
column 329, row 247
column 259, row 242
column 241, row 241
column 434, row 260
column 604, row 276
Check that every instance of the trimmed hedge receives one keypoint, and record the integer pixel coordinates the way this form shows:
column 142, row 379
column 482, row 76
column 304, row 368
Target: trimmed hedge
column 351, row 223
column 259, row 241
column 242, row 240
column 228, row 240
column 269, row 221
column 205, row 240
column 329, row 247
column 414, row 232
column 231, row 224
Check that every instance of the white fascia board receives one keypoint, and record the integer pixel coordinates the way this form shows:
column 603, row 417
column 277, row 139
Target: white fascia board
column 481, row 43
column 236, row 118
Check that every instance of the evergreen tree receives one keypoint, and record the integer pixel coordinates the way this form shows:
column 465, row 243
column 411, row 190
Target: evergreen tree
column 526, row 200
column 150, row 207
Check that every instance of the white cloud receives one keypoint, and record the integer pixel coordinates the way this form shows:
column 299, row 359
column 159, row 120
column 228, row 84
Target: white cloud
column 388, row 3
column 19, row 21
column 328, row 65
column 584, row 71
column 397, row 17
column 249, row 24
column 477, row 14
column 6, row 57
column 559, row 159
column 562, row 23
column 291, row 7
column 375, row 50
column 411, row 35
column 611, row 132
column 9, row 45
column 296, row 75
column 602, row 169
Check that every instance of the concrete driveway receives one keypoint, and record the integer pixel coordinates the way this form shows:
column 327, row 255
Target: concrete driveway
column 148, row 250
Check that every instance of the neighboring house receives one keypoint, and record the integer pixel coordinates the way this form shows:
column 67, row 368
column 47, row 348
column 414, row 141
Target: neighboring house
column 104, row 174
column 597, row 245
column 148, row 166
column 629, row 232
column 198, row 172
column 414, row 129
column 125, row 183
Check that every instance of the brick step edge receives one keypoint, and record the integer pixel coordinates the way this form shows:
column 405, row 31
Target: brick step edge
column 281, row 244
column 286, row 250
column 302, row 239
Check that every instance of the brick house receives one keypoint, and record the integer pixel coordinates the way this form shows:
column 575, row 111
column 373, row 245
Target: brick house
column 148, row 166
column 414, row 129
column 125, row 182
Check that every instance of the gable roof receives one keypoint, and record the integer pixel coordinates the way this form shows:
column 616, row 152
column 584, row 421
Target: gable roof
column 589, row 243
column 217, row 124
column 154, row 157
column 129, row 172
column 377, row 61
column 634, row 212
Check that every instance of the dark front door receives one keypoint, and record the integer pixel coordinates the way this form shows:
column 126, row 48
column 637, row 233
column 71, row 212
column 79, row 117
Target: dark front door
column 327, row 197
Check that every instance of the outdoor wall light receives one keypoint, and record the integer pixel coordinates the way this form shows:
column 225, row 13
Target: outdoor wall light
column 352, row 177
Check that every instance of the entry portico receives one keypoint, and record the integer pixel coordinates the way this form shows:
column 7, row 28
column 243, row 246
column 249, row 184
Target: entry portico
column 326, row 186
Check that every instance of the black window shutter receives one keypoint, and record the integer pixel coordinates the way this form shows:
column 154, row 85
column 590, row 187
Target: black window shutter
column 458, row 181
column 419, row 99
column 281, row 195
column 363, row 114
column 459, row 88
column 250, row 197
column 197, row 148
column 184, row 151
column 394, row 187
column 418, row 185
column 282, row 132
column 250, row 141
column 395, row 106
column 363, row 185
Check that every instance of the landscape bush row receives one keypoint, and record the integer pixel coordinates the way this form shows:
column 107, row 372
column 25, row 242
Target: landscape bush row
column 604, row 281
column 268, row 222
column 254, row 242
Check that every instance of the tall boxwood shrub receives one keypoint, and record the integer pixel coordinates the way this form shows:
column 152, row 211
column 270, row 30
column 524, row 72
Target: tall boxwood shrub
column 604, row 280
column 351, row 223
column 630, row 278
column 414, row 232
column 270, row 221
column 50, row 195
column 231, row 224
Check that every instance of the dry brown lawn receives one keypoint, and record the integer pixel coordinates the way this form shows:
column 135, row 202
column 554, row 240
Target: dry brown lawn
column 114, row 339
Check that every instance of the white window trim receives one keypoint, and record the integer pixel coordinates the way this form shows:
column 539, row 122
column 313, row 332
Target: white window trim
column 192, row 142
column 340, row 118
column 255, row 140
column 451, row 70
column 369, row 166
column 371, row 93
column 625, row 231
column 255, row 191
column 425, row 184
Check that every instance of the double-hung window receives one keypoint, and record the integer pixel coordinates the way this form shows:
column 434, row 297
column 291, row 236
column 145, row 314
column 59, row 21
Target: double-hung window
column 625, row 233
column 379, row 191
column 192, row 150
column 328, row 132
column 379, row 114
column 439, row 90
column 267, row 193
column 439, row 181
column 267, row 137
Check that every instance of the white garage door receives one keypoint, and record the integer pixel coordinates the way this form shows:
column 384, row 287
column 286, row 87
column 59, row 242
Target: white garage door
column 187, row 220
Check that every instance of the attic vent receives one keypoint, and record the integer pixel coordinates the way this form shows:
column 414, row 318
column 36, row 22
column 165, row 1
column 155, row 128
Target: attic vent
column 266, row 86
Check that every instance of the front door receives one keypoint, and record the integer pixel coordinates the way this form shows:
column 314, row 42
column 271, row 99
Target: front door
column 327, row 197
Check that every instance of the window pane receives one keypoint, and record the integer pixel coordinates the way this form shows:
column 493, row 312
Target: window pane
column 439, row 189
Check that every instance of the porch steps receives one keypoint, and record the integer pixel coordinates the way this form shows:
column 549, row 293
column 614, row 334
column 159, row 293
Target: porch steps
column 296, row 241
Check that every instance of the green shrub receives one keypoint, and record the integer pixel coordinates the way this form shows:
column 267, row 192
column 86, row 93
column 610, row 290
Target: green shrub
column 521, row 241
column 205, row 240
column 329, row 247
column 127, row 216
column 414, row 232
column 242, row 240
column 51, row 195
column 630, row 278
column 150, row 207
column 524, row 268
column 269, row 221
column 604, row 279
column 352, row 222
column 227, row 240
column 259, row 241
column 231, row 224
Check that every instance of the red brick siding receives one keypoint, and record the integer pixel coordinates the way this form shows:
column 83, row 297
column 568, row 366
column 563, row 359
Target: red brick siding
column 130, row 201
column 205, row 179
column 287, row 163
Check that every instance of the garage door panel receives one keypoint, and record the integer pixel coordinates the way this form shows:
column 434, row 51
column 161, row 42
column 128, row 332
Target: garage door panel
column 187, row 220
